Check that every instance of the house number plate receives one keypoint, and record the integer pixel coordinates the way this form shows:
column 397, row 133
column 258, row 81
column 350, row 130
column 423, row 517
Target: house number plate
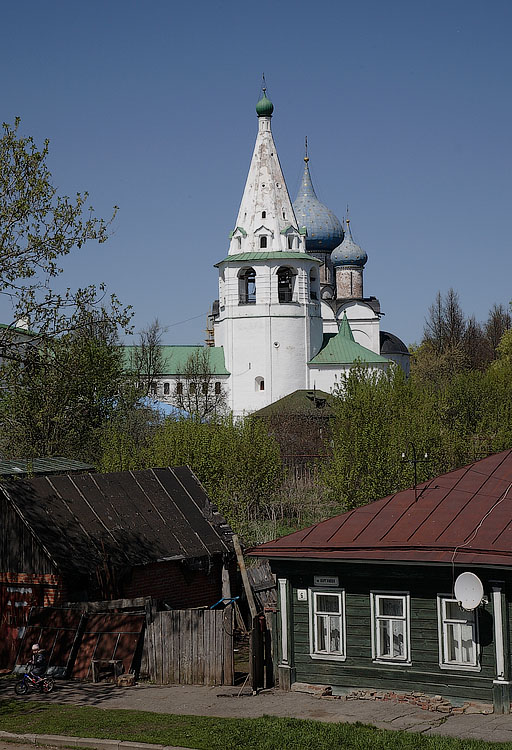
column 326, row 581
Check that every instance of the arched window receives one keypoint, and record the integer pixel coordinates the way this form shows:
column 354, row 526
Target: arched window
column 247, row 286
column 285, row 285
column 263, row 241
column 259, row 384
column 313, row 293
column 263, row 214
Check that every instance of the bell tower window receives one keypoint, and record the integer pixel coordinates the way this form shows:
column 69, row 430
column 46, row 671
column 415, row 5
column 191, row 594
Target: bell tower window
column 313, row 293
column 263, row 242
column 247, row 286
column 285, row 285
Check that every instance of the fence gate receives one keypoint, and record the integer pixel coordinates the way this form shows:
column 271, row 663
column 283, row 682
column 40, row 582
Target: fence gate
column 191, row 647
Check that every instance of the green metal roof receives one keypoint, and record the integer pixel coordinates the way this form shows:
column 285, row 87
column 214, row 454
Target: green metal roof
column 58, row 465
column 341, row 349
column 174, row 358
column 238, row 229
column 25, row 331
column 275, row 255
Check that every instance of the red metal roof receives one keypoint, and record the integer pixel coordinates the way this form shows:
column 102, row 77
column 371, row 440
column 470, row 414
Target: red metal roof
column 464, row 516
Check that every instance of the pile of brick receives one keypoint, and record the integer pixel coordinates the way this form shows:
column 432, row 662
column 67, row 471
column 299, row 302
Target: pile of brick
column 422, row 700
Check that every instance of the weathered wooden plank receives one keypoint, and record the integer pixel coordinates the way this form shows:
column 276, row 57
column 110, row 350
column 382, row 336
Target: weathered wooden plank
column 227, row 631
column 178, row 637
column 219, row 644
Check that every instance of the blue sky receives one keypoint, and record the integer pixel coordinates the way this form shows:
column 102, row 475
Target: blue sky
column 150, row 106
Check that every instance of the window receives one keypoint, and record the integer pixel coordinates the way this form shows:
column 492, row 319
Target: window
column 217, row 388
column 263, row 214
column 327, row 624
column 312, row 285
column 458, row 641
column 204, row 388
column 152, row 388
column 166, row 389
column 290, row 242
column 247, row 286
column 390, row 627
column 259, row 384
column 284, row 285
column 263, row 241
column 179, row 389
column 192, row 388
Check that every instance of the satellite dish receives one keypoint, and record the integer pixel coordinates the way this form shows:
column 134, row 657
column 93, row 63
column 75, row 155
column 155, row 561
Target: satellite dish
column 469, row 590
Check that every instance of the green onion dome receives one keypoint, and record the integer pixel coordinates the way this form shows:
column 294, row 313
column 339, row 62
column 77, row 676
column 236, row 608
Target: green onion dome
column 264, row 107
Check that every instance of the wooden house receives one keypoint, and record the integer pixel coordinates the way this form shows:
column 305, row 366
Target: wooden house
column 367, row 600
column 93, row 537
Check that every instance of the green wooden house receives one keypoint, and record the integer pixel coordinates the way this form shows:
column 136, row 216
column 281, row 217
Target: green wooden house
column 367, row 600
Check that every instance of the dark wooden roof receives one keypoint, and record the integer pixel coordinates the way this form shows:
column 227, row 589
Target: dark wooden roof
column 464, row 516
column 127, row 518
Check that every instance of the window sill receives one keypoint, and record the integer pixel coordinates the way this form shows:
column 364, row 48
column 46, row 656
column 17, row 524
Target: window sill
column 329, row 657
column 461, row 667
column 393, row 662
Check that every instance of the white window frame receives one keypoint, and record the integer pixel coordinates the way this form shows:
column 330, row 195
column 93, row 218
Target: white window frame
column 314, row 652
column 375, row 598
column 443, row 623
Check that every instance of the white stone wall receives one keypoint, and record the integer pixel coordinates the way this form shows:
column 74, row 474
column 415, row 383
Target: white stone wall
column 268, row 341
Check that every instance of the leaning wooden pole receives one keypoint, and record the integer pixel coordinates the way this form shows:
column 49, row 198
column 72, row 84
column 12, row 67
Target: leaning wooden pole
column 245, row 578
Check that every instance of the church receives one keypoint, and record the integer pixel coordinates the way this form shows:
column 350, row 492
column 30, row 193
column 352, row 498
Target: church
column 291, row 313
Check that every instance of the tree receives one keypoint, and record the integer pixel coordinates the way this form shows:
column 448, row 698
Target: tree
column 37, row 229
column 237, row 461
column 197, row 391
column 498, row 322
column 146, row 357
column 57, row 401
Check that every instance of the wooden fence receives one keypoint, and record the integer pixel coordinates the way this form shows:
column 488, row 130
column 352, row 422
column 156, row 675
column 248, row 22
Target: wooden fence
column 191, row 647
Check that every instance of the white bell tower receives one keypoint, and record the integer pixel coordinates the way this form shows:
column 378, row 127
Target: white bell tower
column 269, row 320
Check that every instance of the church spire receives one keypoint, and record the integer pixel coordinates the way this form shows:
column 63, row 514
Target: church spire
column 266, row 221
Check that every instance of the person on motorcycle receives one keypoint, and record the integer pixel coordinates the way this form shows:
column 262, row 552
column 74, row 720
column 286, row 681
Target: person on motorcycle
column 38, row 663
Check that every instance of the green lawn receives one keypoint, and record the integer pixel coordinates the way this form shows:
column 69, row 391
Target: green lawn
column 207, row 733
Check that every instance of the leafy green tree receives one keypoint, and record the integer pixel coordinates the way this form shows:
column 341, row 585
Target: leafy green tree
column 238, row 462
column 37, row 229
column 59, row 398
column 381, row 417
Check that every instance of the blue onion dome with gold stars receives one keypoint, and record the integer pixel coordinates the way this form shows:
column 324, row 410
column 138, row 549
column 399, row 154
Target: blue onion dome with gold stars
column 323, row 229
column 348, row 253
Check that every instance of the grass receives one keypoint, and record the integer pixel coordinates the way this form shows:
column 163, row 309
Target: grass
column 211, row 733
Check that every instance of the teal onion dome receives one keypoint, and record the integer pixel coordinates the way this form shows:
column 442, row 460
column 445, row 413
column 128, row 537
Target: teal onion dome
column 348, row 253
column 323, row 229
column 264, row 107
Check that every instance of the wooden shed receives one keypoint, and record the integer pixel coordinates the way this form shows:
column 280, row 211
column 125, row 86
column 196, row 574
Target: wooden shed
column 92, row 537
column 367, row 600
